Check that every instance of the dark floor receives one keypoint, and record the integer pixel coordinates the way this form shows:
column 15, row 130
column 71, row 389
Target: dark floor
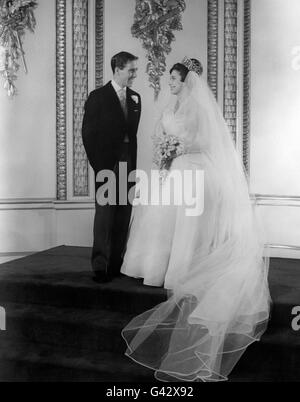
column 62, row 326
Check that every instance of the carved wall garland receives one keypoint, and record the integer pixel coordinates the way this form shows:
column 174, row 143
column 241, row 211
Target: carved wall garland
column 154, row 24
column 61, row 129
column 80, row 94
column 99, row 45
column 15, row 18
column 230, row 65
column 247, row 83
column 212, row 45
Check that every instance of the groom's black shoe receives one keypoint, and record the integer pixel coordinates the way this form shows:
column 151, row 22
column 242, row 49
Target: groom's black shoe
column 102, row 277
column 114, row 269
column 101, row 272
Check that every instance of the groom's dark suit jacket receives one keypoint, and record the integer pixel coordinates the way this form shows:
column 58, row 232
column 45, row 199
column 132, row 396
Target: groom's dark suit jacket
column 103, row 132
column 104, row 127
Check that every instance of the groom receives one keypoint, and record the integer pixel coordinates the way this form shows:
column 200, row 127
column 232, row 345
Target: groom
column 110, row 124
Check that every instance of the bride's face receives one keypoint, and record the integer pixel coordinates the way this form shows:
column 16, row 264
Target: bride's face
column 175, row 83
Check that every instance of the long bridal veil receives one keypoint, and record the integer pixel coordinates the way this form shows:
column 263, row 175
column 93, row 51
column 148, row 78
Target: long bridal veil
column 221, row 302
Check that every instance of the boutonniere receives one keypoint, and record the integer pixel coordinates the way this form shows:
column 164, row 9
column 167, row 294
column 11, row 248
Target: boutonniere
column 135, row 98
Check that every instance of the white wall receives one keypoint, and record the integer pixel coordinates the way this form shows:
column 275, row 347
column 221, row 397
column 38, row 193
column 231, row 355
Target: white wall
column 27, row 122
column 275, row 120
column 28, row 145
column 275, row 98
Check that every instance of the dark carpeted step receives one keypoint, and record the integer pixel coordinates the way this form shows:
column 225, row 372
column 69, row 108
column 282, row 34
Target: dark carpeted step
column 122, row 294
column 284, row 282
column 79, row 328
column 97, row 329
column 62, row 277
column 276, row 356
column 63, row 326
column 33, row 362
column 27, row 371
column 281, row 310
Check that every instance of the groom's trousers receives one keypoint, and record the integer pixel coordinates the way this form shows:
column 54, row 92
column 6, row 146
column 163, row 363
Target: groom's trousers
column 111, row 224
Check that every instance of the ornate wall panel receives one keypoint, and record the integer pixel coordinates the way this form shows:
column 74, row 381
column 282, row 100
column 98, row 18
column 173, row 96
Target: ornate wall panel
column 99, row 46
column 230, row 65
column 212, row 46
column 61, row 130
column 247, row 79
column 80, row 93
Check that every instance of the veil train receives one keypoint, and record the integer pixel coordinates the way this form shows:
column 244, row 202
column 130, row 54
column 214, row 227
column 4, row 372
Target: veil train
column 221, row 304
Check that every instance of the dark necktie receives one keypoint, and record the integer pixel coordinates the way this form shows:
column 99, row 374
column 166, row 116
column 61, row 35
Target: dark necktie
column 123, row 101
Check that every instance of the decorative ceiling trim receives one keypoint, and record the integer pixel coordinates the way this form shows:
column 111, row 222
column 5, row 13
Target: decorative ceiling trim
column 80, row 94
column 230, row 65
column 247, row 84
column 61, row 126
column 99, row 45
column 212, row 45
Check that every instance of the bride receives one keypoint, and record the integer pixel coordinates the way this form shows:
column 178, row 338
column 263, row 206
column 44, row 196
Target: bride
column 212, row 263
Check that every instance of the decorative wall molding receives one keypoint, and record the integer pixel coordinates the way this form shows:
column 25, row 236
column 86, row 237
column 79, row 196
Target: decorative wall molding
column 277, row 200
column 43, row 204
column 17, row 254
column 283, row 251
column 246, row 85
column 278, row 197
column 284, row 247
column 61, row 125
column 212, row 45
column 80, row 94
column 25, row 200
column 99, row 42
column 230, row 65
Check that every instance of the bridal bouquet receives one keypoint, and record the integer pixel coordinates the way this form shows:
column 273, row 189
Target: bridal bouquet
column 166, row 148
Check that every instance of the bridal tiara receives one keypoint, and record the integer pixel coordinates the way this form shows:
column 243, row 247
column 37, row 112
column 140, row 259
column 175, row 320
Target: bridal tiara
column 193, row 65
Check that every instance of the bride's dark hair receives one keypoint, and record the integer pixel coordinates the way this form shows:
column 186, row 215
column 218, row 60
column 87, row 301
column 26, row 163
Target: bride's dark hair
column 183, row 70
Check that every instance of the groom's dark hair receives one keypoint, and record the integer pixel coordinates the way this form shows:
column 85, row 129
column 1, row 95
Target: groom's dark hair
column 121, row 59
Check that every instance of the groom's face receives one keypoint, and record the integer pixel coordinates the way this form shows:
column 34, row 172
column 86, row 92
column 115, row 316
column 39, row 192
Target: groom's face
column 127, row 75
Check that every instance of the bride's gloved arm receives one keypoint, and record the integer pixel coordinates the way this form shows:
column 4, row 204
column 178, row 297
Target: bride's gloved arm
column 195, row 121
column 159, row 129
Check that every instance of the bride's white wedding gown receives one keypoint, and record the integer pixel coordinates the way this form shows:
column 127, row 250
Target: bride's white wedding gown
column 212, row 264
column 163, row 239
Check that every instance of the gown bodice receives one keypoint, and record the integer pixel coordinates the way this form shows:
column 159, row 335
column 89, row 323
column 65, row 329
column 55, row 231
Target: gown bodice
column 185, row 123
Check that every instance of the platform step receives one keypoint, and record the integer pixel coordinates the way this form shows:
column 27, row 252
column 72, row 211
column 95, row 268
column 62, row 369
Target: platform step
column 33, row 362
column 62, row 326
column 80, row 328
